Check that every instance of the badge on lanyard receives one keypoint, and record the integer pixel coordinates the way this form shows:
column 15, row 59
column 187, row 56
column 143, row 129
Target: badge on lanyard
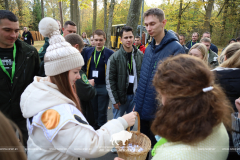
column 131, row 77
column 95, row 72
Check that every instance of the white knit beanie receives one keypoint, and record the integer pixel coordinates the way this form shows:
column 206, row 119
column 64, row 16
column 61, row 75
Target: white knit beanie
column 60, row 56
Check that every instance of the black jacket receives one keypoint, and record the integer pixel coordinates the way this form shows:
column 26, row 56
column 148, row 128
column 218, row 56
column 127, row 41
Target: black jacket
column 229, row 79
column 27, row 66
column 27, row 37
column 117, row 77
column 86, row 92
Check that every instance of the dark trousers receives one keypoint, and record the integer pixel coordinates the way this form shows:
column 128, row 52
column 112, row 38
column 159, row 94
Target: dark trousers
column 22, row 125
column 100, row 105
column 145, row 129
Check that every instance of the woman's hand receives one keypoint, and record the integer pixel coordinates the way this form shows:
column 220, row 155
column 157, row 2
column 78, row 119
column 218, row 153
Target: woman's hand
column 130, row 118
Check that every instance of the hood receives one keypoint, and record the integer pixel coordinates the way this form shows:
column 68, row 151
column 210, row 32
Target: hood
column 40, row 95
column 168, row 38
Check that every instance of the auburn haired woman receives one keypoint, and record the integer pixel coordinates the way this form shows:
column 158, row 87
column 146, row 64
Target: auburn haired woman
column 56, row 126
column 195, row 112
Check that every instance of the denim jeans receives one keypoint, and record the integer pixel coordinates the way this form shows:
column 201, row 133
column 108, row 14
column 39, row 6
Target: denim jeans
column 127, row 107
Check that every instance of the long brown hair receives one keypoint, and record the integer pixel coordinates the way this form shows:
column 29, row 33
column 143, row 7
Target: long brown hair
column 232, row 53
column 64, row 86
column 8, row 139
column 189, row 114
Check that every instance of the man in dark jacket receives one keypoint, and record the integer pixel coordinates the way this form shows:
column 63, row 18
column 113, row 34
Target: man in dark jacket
column 212, row 47
column 85, row 88
column 27, row 36
column 182, row 42
column 194, row 40
column 212, row 56
column 19, row 64
column 123, row 73
column 138, row 44
column 96, row 59
column 163, row 45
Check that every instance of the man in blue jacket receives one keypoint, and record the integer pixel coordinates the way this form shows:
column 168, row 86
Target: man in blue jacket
column 163, row 45
column 212, row 47
column 96, row 59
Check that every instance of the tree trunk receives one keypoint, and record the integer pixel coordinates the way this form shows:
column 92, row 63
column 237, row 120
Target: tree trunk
column 208, row 14
column 42, row 8
column 105, row 16
column 6, row 5
column 75, row 13
column 133, row 15
column 20, row 13
column 79, row 20
column 179, row 16
column 111, row 9
column 61, row 16
column 224, row 19
column 94, row 15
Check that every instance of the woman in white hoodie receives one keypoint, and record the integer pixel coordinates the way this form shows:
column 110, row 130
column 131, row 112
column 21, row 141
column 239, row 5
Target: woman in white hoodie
column 57, row 128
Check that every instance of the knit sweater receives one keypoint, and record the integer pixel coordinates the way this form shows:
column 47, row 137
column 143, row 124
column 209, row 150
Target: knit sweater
column 214, row 147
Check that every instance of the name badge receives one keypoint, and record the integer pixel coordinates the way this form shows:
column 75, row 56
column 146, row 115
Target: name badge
column 131, row 79
column 25, row 38
column 95, row 73
column 215, row 58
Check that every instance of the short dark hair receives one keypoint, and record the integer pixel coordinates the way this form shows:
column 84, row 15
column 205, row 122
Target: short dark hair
column 195, row 33
column 155, row 12
column 207, row 33
column 125, row 29
column 5, row 14
column 182, row 36
column 238, row 39
column 232, row 40
column 205, row 39
column 74, row 39
column 137, row 37
column 71, row 23
column 99, row 32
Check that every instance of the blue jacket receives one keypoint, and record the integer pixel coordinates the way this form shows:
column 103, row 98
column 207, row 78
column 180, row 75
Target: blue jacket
column 88, row 54
column 214, row 48
column 145, row 100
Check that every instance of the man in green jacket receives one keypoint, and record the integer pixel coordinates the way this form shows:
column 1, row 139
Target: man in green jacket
column 123, row 72
column 19, row 63
column 212, row 56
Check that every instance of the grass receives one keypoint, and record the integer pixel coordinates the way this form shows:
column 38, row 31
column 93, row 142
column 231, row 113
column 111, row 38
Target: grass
column 38, row 44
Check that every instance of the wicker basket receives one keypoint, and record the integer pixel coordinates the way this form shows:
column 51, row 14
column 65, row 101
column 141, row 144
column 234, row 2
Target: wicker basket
column 137, row 139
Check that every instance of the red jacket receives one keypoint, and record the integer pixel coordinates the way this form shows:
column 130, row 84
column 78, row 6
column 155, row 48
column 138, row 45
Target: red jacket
column 141, row 48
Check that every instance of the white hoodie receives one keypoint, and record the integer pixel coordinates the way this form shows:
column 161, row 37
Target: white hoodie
column 70, row 138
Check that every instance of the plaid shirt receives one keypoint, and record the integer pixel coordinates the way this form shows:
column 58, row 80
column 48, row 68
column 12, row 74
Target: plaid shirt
column 236, row 131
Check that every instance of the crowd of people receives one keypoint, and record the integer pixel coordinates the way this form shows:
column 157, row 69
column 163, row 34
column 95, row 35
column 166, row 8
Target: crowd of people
column 56, row 99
